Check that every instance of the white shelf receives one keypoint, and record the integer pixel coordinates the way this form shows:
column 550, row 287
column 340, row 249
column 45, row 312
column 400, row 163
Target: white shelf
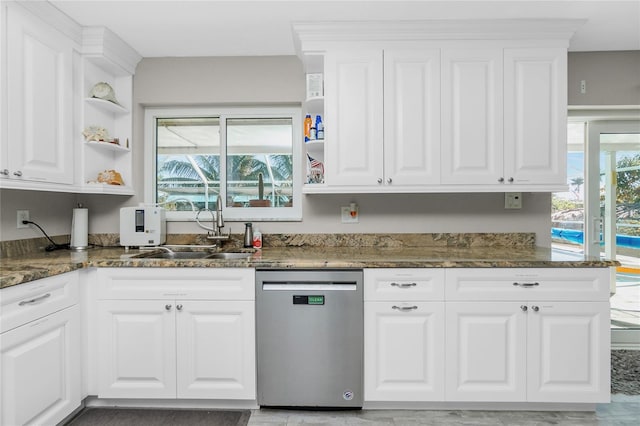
column 315, row 148
column 104, row 188
column 108, row 146
column 107, row 106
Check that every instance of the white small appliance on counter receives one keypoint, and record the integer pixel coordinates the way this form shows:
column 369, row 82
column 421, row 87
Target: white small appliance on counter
column 142, row 226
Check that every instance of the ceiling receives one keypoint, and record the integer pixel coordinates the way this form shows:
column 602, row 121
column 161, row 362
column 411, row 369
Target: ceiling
column 164, row 28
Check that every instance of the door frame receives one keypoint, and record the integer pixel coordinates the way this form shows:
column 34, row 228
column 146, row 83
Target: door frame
column 617, row 121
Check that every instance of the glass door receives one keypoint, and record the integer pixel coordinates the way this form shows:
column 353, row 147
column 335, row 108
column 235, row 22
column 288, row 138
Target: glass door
column 600, row 214
column 613, row 216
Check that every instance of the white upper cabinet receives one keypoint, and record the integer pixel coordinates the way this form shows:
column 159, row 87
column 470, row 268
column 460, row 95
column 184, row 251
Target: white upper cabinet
column 383, row 106
column 353, row 104
column 535, row 116
column 51, row 63
column 471, row 116
column 442, row 106
column 411, row 116
column 41, row 63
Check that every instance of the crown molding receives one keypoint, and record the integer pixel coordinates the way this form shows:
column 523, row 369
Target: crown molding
column 102, row 44
column 53, row 17
column 310, row 36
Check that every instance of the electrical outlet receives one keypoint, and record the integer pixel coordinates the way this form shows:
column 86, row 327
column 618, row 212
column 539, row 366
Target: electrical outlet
column 512, row 200
column 583, row 86
column 347, row 214
column 22, row 215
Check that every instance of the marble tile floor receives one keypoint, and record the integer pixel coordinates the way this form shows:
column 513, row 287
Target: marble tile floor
column 624, row 410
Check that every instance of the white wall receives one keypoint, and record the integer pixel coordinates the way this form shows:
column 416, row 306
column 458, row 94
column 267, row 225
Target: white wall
column 271, row 80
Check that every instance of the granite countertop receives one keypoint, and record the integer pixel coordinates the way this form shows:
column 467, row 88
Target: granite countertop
column 17, row 270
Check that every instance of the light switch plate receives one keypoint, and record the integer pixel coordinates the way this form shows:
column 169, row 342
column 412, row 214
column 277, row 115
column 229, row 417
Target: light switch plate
column 512, row 200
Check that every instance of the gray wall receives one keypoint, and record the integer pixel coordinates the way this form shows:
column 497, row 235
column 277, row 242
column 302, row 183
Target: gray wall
column 612, row 78
column 280, row 80
column 275, row 80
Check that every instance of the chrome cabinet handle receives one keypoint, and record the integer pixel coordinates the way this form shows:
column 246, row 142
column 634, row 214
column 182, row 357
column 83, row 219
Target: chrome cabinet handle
column 404, row 308
column 389, row 180
column 167, row 307
column 510, row 180
column 524, row 308
column 179, row 307
column 4, row 172
column 18, row 173
column 403, row 285
column 379, row 180
column 526, row 284
column 535, row 308
column 501, row 180
column 34, row 300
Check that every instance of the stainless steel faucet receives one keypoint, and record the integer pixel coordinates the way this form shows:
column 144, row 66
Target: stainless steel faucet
column 217, row 223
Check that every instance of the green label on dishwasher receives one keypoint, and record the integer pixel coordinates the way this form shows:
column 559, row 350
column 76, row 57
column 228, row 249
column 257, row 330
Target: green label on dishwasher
column 315, row 300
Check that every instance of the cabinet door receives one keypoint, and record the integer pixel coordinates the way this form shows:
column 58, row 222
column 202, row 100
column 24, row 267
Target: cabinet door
column 353, row 109
column 568, row 352
column 404, row 351
column 535, row 115
column 486, row 351
column 472, row 116
column 216, row 349
column 137, row 352
column 40, row 70
column 40, row 370
column 412, row 117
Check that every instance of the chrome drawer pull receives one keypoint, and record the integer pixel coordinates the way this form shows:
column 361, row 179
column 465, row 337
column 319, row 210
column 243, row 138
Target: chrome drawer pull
column 34, row 300
column 403, row 285
column 404, row 308
column 526, row 284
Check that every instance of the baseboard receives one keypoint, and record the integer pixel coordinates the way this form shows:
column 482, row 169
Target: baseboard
column 625, row 346
column 227, row 404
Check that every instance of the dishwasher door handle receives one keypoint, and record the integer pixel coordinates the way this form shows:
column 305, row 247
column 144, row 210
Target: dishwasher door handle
column 310, row 287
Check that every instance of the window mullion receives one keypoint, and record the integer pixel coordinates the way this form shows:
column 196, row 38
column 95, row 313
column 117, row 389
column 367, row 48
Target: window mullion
column 222, row 128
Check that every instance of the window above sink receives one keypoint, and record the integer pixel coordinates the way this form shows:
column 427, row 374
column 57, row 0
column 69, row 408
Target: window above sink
column 247, row 155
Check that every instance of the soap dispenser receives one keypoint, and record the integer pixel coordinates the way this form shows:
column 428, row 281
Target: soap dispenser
column 248, row 235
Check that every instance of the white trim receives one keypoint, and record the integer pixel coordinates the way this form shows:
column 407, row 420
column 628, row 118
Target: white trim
column 231, row 214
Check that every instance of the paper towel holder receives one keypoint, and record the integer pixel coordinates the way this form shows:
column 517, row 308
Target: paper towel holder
column 79, row 229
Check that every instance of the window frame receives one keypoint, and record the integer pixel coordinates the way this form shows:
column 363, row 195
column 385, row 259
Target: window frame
column 231, row 214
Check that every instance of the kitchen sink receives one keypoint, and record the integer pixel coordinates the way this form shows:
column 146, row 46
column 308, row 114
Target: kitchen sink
column 192, row 255
column 229, row 255
column 174, row 255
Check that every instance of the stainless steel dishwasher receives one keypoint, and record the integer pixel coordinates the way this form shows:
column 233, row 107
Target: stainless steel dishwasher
column 309, row 330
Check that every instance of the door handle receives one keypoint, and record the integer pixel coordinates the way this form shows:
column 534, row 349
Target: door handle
column 34, row 300
column 404, row 308
column 526, row 284
column 403, row 285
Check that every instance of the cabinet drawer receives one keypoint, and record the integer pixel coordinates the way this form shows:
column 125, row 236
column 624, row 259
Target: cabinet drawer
column 27, row 302
column 176, row 283
column 571, row 284
column 403, row 284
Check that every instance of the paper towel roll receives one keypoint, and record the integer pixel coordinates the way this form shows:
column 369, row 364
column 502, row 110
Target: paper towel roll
column 80, row 229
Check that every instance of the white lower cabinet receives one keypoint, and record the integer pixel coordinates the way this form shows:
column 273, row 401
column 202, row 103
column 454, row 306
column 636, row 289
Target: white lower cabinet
column 404, row 347
column 404, row 335
column 486, row 352
column 40, row 374
column 531, row 349
column 487, row 335
column 568, row 352
column 198, row 346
